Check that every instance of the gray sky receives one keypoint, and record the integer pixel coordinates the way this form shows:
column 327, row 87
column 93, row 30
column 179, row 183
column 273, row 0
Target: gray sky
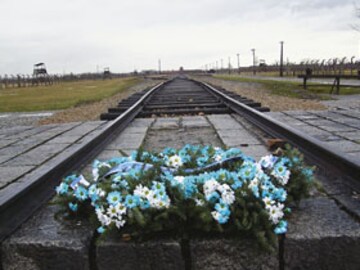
column 79, row 35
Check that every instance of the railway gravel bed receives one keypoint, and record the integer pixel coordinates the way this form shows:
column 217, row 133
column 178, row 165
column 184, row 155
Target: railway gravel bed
column 256, row 92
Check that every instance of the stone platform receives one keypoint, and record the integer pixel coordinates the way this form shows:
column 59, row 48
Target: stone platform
column 320, row 226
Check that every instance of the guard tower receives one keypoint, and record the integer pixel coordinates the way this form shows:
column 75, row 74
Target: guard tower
column 107, row 73
column 40, row 71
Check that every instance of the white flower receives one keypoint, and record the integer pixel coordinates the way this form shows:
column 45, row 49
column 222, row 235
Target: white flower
column 120, row 209
column 112, row 211
column 268, row 161
column 218, row 158
column 175, row 161
column 276, row 213
column 228, row 197
column 100, row 192
column 268, row 202
column 141, row 191
column 254, row 183
column 210, row 186
column 224, row 188
column 103, row 219
column 179, row 179
column 119, row 223
column 199, row 202
column 216, row 215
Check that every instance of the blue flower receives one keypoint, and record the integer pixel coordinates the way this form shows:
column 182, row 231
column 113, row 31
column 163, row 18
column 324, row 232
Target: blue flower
column 161, row 193
column 81, row 193
column 222, row 208
column 144, row 204
column 62, row 189
column 212, row 197
column 101, row 230
column 255, row 191
column 281, row 228
column 201, row 161
column 279, row 170
column 223, row 219
column 131, row 201
column 157, row 186
column 248, row 171
column 307, row 172
column 73, row 207
column 69, row 179
column 114, row 197
column 237, row 184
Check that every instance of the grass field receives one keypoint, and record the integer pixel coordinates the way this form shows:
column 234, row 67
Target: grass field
column 60, row 96
column 292, row 89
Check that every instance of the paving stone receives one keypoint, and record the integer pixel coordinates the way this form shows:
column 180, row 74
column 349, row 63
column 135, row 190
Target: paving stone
column 337, row 127
column 321, row 236
column 157, row 140
column 126, row 141
column 10, row 174
column 108, row 154
column 254, row 151
column 65, row 139
column 14, row 130
column 238, row 138
column 5, row 158
column 136, row 129
column 194, row 122
column 224, row 121
column 6, row 142
column 159, row 255
column 45, row 242
column 166, row 123
column 81, row 130
column 37, row 155
column 275, row 114
column 327, row 137
column 230, row 254
column 352, row 135
column 142, row 122
column 306, row 117
column 344, row 146
column 14, row 150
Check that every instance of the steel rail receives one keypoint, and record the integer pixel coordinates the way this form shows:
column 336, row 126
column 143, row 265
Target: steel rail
column 22, row 199
column 333, row 161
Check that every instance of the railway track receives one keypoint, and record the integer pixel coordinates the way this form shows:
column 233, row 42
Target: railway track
column 178, row 96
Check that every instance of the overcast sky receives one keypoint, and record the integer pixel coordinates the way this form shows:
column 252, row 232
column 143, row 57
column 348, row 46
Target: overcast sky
column 81, row 35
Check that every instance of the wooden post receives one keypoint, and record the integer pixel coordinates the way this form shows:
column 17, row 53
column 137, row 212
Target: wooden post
column 304, row 83
column 337, row 85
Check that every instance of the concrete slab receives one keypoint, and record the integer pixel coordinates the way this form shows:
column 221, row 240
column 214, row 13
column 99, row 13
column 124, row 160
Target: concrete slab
column 160, row 255
column 255, row 151
column 126, row 141
column 46, row 242
column 166, row 123
column 321, row 236
column 142, row 122
column 352, row 135
column 194, row 122
column 108, row 154
column 37, row 155
column 230, row 254
column 10, row 174
column 82, row 129
column 344, row 146
column 14, row 149
column 223, row 121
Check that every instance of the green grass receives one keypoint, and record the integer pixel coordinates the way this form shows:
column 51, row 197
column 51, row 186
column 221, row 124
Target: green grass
column 292, row 89
column 60, row 96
